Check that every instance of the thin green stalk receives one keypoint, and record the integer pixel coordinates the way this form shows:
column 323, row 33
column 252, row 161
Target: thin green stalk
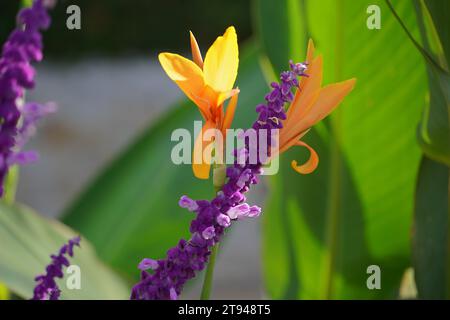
column 207, row 282
column 12, row 179
column 219, row 177
column 27, row 3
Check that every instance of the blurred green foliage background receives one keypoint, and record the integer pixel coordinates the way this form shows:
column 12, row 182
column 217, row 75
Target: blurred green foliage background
column 118, row 28
column 379, row 197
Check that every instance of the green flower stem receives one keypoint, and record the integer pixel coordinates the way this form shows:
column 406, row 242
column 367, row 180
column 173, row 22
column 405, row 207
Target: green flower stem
column 207, row 282
column 12, row 179
column 26, row 3
column 219, row 177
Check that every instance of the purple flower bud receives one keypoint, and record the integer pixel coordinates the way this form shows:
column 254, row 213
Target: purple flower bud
column 244, row 177
column 148, row 264
column 298, row 68
column 238, row 210
column 173, row 294
column 46, row 288
column 24, row 157
column 209, row 233
column 254, row 212
column 188, row 203
column 223, row 220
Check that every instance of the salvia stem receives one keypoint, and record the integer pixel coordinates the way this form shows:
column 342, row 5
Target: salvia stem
column 12, row 180
column 219, row 178
column 209, row 274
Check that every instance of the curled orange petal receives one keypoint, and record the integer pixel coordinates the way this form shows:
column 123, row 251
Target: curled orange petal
column 310, row 165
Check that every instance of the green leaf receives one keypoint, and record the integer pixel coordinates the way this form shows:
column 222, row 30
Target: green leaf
column 280, row 41
column 131, row 210
column 4, row 292
column 434, row 127
column 323, row 230
column 27, row 241
column 431, row 247
column 431, row 244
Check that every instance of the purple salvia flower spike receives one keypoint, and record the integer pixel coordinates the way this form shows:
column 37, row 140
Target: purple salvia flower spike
column 46, row 288
column 23, row 46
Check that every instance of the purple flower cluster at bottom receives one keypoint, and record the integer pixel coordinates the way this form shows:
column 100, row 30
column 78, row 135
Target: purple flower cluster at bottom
column 183, row 262
column 46, row 288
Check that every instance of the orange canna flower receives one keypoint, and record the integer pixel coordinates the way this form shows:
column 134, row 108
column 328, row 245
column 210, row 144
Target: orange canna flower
column 208, row 84
column 311, row 104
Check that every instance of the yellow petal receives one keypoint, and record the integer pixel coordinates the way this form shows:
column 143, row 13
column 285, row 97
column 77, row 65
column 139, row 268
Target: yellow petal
column 225, row 95
column 310, row 165
column 221, row 62
column 196, row 53
column 188, row 76
column 229, row 114
column 201, row 161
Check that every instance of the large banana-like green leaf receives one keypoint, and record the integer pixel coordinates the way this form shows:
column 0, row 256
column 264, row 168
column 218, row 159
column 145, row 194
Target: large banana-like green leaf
column 27, row 241
column 434, row 128
column 281, row 41
column 131, row 210
column 431, row 248
column 322, row 231
column 431, row 255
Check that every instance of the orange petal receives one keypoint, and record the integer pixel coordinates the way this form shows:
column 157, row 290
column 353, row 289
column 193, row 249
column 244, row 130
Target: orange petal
column 292, row 141
column 225, row 95
column 229, row 114
column 310, row 165
column 201, row 161
column 330, row 97
column 297, row 122
column 304, row 80
column 188, row 76
column 213, row 99
column 309, row 61
column 299, row 107
column 196, row 53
